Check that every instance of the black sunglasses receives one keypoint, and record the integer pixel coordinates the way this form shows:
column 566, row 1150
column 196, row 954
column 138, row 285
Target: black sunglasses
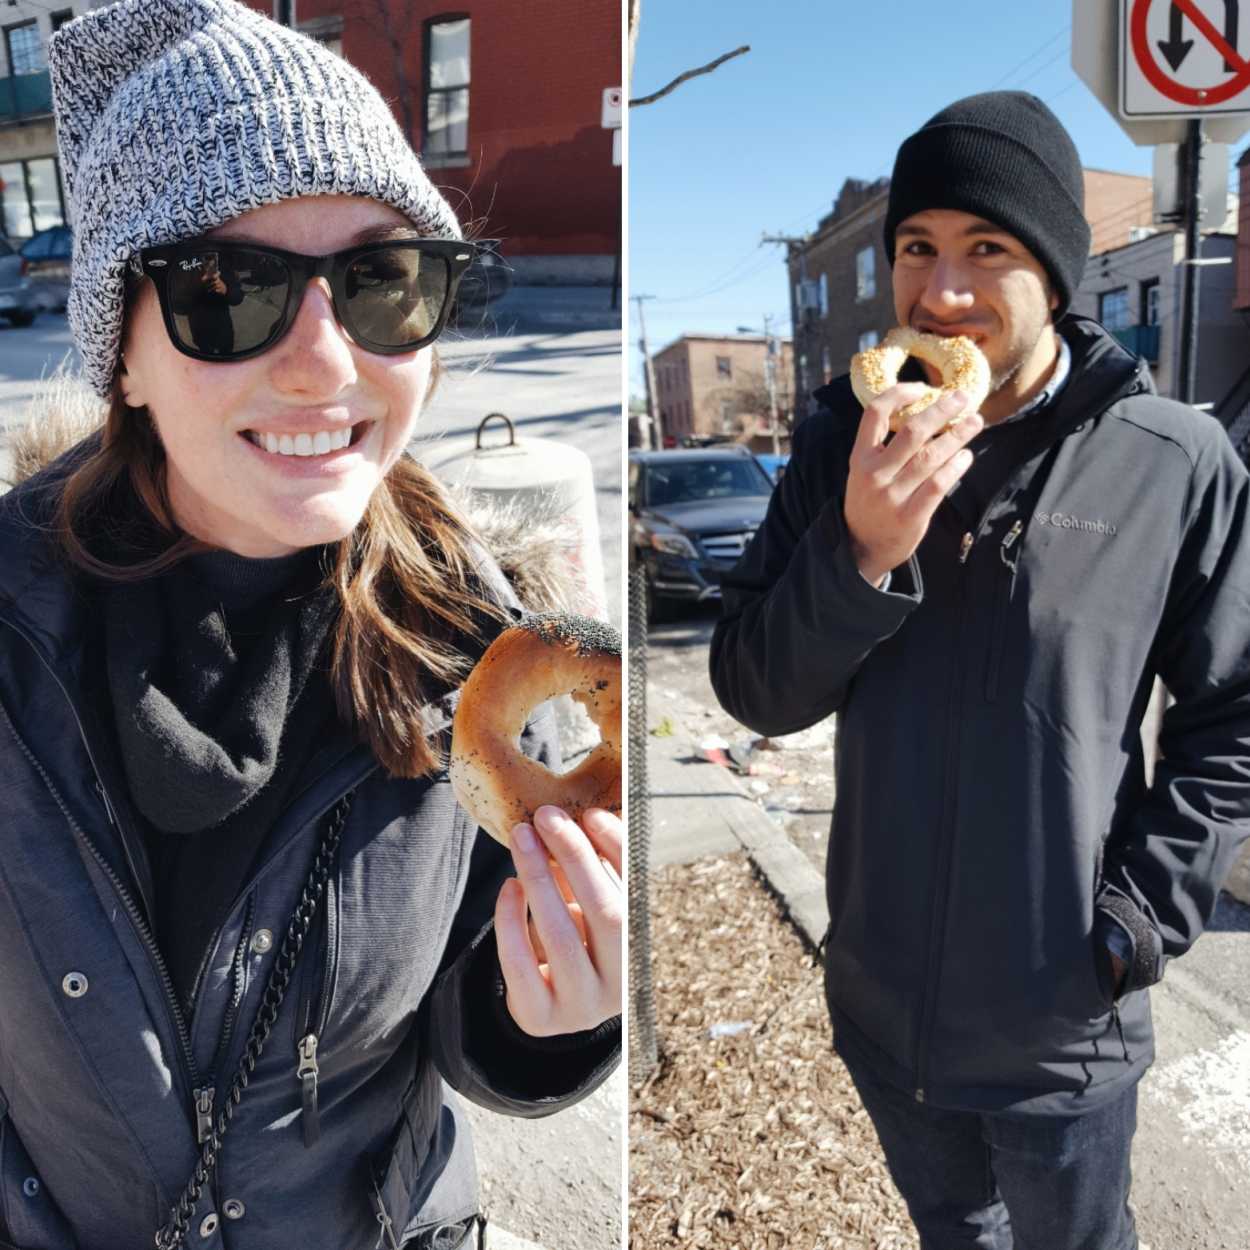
column 225, row 300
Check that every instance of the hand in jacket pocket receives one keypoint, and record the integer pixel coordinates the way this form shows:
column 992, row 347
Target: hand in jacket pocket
column 562, row 968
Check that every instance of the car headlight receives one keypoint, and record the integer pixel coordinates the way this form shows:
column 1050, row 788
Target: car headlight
column 674, row 544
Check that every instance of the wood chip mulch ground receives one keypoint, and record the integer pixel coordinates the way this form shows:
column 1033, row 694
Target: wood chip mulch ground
column 754, row 1138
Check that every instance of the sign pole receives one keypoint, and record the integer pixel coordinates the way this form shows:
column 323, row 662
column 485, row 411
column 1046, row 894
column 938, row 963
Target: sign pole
column 1187, row 374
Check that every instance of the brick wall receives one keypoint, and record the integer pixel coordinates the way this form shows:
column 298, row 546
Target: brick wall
column 539, row 172
column 1114, row 204
column 696, row 398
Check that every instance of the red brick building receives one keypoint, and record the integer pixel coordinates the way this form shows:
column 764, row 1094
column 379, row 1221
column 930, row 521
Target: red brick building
column 504, row 102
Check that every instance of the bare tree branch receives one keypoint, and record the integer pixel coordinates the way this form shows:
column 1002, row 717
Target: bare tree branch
column 690, row 73
column 377, row 16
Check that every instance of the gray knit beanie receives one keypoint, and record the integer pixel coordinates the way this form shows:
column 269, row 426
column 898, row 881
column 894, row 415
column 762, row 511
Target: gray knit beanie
column 175, row 116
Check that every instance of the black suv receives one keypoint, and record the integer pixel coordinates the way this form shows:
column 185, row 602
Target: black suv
column 692, row 515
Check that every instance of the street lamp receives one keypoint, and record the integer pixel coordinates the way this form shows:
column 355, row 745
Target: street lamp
column 770, row 376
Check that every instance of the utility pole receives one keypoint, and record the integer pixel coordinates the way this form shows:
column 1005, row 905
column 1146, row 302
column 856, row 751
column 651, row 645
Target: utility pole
column 795, row 244
column 654, row 436
column 1191, row 208
column 770, row 376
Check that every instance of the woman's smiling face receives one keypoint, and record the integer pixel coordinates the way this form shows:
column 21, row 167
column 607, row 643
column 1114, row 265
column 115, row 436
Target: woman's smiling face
column 218, row 421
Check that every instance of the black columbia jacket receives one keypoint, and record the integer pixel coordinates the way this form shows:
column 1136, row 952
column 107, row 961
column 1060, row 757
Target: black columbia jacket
column 992, row 809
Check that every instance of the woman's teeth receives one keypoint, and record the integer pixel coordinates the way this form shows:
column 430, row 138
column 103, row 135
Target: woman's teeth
column 302, row 444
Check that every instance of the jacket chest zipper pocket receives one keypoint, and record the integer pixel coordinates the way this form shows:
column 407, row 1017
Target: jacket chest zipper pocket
column 313, row 1013
column 1005, row 583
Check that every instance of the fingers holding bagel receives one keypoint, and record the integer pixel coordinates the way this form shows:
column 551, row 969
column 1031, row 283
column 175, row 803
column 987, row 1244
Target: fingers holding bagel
column 931, row 454
column 893, row 491
column 564, row 976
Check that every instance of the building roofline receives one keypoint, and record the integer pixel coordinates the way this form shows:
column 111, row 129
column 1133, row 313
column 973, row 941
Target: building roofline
column 721, row 338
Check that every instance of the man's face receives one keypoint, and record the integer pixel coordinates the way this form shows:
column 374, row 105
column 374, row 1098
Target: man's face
column 958, row 274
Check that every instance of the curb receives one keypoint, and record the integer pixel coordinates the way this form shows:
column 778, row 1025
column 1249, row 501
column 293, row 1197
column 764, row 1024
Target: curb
column 712, row 814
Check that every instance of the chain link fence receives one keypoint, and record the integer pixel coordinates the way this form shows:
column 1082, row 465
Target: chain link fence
column 643, row 1053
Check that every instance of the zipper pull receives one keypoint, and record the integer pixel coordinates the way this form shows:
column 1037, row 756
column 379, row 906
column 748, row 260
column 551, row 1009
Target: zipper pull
column 386, row 1238
column 204, row 1113
column 1010, row 537
column 104, row 798
column 307, row 1073
column 964, row 547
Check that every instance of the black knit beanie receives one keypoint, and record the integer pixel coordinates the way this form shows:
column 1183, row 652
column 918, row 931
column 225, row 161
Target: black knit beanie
column 1006, row 157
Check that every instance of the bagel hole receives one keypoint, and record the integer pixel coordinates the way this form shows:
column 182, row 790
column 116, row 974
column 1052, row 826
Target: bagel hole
column 912, row 371
column 578, row 734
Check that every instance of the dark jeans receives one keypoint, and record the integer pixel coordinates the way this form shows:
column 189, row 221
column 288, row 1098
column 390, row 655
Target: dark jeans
column 984, row 1181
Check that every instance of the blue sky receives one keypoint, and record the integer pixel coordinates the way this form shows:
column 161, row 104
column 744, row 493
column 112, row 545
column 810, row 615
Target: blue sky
column 828, row 91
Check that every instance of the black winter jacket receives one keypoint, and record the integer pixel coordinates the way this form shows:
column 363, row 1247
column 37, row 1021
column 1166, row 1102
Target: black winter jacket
column 100, row 1070
column 991, row 794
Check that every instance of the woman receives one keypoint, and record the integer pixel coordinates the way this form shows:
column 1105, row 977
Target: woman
column 246, row 932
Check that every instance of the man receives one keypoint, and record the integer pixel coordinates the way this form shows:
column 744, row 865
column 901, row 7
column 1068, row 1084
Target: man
column 985, row 606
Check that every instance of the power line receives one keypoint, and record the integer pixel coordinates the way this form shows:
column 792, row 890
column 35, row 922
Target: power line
column 1010, row 74
column 1058, row 55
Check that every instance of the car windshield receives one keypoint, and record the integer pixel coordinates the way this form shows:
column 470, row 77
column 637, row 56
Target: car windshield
column 685, row 481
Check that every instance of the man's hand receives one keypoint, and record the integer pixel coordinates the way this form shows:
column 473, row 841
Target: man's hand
column 562, row 966
column 894, row 489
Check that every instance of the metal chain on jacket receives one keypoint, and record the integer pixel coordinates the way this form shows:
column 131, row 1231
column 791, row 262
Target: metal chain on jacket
column 175, row 1230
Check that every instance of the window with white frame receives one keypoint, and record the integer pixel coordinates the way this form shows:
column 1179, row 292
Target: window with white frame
column 447, row 88
column 1150, row 308
column 866, row 274
column 724, row 367
column 824, row 295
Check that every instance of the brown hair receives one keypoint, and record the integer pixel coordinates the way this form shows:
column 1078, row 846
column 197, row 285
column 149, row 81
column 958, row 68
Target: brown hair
column 407, row 580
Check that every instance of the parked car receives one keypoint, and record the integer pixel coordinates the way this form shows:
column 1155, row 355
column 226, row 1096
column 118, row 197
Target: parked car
column 47, row 255
column 692, row 514
column 17, row 299
column 774, row 466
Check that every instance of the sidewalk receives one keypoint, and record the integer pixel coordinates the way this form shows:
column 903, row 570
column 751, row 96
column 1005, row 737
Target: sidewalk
column 1191, row 1156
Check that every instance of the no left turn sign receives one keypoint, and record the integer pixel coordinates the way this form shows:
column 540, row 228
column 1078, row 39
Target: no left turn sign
column 1184, row 58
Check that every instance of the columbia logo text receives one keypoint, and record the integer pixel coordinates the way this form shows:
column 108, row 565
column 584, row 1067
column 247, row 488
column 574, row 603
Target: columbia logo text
column 1062, row 521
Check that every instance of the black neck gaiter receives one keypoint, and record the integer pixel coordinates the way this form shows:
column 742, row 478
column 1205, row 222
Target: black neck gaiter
column 218, row 684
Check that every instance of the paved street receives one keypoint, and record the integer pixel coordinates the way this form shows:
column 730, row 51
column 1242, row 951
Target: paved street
column 554, row 1181
column 1191, row 1159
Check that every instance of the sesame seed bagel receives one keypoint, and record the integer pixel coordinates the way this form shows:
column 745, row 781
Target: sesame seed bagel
column 543, row 656
column 962, row 365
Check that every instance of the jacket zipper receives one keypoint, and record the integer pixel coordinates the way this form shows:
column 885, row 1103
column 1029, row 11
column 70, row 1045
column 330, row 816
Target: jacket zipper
column 313, row 1015
column 937, row 925
column 207, row 1092
column 137, row 918
column 1002, row 601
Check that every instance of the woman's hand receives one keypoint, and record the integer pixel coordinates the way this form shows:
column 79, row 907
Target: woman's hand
column 562, row 968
